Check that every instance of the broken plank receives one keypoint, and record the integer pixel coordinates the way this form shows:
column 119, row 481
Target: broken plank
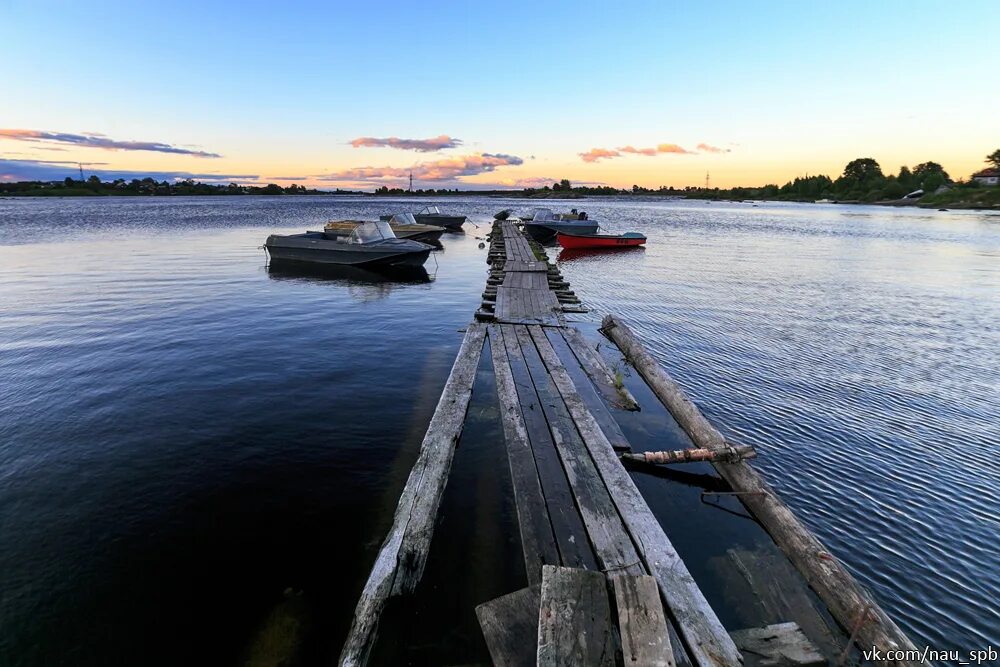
column 510, row 626
column 401, row 559
column 574, row 619
column 537, row 540
column 641, row 622
column 780, row 645
column 701, row 631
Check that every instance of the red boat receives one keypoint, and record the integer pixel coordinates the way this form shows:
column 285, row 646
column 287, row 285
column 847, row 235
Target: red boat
column 629, row 239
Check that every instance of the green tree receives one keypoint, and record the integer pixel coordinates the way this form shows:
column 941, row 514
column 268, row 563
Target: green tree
column 905, row 177
column 926, row 170
column 566, row 185
column 994, row 158
column 863, row 170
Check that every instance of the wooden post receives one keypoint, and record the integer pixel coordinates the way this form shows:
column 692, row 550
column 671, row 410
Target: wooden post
column 843, row 596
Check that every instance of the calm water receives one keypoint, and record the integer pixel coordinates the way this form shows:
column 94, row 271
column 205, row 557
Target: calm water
column 185, row 434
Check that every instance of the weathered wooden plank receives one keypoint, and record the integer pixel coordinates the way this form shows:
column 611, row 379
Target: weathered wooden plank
column 600, row 374
column 841, row 593
column 574, row 619
column 703, row 635
column 642, row 623
column 586, row 389
column 510, row 626
column 537, row 539
column 780, row 645
column 567, row 525
column 400, row 562
column 612, row 544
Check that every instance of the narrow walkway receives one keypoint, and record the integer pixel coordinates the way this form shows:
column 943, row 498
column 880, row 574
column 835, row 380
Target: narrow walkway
column 605, row 584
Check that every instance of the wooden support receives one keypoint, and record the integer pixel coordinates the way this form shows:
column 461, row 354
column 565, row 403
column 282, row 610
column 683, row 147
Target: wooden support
column 703, row 635
column 641, row 623
column 731, row 454
column 510, row 626
column 574, row 619
column 400, row 562
column 841, row 593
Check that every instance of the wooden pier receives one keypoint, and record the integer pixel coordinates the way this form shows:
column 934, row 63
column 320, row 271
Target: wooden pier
column 605, row 585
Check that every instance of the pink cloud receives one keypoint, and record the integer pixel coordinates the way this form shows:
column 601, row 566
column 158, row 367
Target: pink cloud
column 99, row 141
column 420, row 145
column 672, row 148
column 638, row 151
column 595, row 154
column 705, row 148
column 437, row 170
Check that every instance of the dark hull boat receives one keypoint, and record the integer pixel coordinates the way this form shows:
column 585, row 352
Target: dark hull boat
column 544, row 224
column 371, row 244
column 432, row 215
column 452, row 222
column 546, row 230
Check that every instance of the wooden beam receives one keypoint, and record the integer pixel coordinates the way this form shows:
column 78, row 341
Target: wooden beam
column 641, row 622
column 400, row 562
column 537, row 540
column 852, row 606
column 571, row 536
column 611, row 541
column 702, row 633
column 574, row 619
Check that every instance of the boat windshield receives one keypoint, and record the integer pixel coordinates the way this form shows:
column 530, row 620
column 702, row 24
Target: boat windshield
column 542, row 214
column 403, row 219
column 369, row 232
column 430, row 210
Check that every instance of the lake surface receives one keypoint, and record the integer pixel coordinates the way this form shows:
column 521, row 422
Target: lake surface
column 185, row 435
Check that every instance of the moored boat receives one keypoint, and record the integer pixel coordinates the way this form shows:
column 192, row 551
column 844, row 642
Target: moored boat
column 432, row 215
column 544, row 224
column 403, row 225
column 370, row 244
column 600, row 241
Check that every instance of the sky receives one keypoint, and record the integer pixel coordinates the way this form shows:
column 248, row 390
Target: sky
column 479, row 95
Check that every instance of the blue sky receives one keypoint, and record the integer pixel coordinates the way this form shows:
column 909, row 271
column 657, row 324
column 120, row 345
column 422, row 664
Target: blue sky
column 785, row 88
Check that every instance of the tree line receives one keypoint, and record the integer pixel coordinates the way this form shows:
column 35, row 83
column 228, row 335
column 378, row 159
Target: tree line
column 148, row 186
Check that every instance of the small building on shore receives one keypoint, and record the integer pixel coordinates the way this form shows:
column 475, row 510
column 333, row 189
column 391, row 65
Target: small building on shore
column 989, row 176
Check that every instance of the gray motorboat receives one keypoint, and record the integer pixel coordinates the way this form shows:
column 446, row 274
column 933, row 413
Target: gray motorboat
column 544, row 225
column 370, row 244
column 432, row 215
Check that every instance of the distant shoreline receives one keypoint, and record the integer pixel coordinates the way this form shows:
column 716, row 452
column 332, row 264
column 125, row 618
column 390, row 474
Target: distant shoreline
column 990, row 200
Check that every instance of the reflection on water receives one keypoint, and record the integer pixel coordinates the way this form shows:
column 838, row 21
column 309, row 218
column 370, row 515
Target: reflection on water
column 185, row 434
column 361, row 283
column 571, row 254
column 348, row 274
